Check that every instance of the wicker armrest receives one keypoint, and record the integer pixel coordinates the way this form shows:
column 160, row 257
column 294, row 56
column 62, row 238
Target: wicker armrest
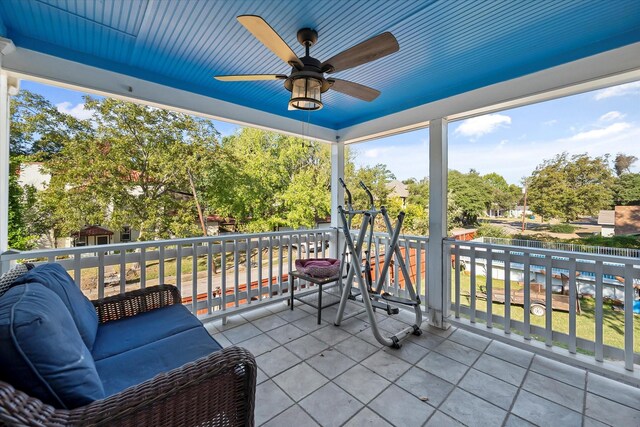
column 135, row 302
column 218, row 390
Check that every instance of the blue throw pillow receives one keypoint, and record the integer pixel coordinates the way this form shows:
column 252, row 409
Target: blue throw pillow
column 41, row 352
column 56, row 278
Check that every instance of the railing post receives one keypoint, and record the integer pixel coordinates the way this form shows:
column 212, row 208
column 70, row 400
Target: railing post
column 438, row 291
column 337, row 195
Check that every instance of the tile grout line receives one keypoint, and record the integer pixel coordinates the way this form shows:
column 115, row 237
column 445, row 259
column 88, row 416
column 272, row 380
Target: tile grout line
column 520, row 387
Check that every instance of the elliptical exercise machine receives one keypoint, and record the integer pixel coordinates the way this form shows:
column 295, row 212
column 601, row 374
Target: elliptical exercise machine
column 374, row 297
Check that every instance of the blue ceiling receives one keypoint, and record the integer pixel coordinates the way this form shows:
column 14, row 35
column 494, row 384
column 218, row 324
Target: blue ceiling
column 446, row 47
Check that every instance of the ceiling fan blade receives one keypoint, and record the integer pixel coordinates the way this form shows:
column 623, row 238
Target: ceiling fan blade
column 354, row 89
column 268, row 36
column 369, row 50
column 250, row 77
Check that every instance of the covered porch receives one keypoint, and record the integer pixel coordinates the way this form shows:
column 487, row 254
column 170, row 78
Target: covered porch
column 471, row 366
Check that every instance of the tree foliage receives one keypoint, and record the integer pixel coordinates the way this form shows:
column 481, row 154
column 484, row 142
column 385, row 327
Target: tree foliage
column 471, row 195
column 268, row 180
column 627, row 189
column 130, row 168
column 503, row 196
column 623, row 162
column 38, row 127
column 20, row 236
column 567, row 187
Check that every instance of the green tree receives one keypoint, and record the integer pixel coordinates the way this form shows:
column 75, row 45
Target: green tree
column 130, row 168
column 19, row 234
column 268, row 180
column 627, row 189
column 503, row 195
column 375, row 178
column 567, row 187
column 418, row 192
column 38, row 127
column 470, row 193
column 622, row 163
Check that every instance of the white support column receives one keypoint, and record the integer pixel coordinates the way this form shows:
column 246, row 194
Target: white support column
column 4, row 166
column 437, row 285
column 7, row 87
column 337, row 192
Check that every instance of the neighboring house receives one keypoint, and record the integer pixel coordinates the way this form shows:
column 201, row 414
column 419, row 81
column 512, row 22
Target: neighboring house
column 517, row 212
column 398, row 189
column 607, row 222
column 217, row 224
column 31, row 174
column 627, row 220
column 497, row 212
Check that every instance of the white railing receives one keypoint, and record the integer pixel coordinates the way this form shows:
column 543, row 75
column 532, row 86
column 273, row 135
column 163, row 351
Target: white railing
column 480, row 275
column 571, row 247
column 228, row 272
column 256, row 268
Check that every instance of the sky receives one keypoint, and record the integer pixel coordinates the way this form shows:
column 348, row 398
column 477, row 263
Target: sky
column 511, row 142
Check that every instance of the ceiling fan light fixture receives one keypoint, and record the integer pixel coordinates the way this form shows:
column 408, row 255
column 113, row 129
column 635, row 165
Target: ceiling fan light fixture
column 306, row 94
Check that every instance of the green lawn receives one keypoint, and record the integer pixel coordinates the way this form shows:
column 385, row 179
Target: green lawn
column 613, row 331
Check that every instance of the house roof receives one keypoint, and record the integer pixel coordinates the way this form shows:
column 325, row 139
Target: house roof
column 607, row 217
column 398, row 189
column 92, row 230
column 166, row 53
column 627, row 220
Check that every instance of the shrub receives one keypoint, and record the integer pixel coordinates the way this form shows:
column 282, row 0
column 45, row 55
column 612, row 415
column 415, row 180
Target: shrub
column 489, row 230
column 562, row 228
column 613, row 241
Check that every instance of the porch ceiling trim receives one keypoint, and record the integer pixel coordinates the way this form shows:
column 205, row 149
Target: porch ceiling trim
column 31, row 65
column 609, row 68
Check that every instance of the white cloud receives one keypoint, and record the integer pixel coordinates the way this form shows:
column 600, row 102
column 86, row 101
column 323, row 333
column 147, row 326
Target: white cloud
column 599, row 134
column 611, row 116
column 372, row 154
column 482, row 125
column 77, row 111
column 625, row 89
column 520, row 158
column 550, row 122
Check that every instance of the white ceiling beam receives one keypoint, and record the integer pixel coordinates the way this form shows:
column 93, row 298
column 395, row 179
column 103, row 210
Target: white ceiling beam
column 610, row 68
column 39, row 67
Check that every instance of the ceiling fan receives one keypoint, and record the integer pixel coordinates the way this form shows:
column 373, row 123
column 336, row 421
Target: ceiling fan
column 307, row 81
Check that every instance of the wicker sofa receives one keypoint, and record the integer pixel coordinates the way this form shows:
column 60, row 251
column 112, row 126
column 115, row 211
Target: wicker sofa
column 215, row 388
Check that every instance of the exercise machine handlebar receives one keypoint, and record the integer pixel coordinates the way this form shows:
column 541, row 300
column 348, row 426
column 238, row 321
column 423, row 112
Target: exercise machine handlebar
column 346, row 190
column 365, row 188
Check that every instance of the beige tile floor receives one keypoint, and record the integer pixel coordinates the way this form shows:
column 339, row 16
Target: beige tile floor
column 322, row 375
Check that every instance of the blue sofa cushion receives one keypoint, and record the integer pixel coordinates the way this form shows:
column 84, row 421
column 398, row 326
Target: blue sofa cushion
column 118, row 336
column 41, row 352
column 83, row 313
column 135, row 366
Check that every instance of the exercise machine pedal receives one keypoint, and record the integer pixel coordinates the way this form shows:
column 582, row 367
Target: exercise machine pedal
column 386, row 307
column 399, row 300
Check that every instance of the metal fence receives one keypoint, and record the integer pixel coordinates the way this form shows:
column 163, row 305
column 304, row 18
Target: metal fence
column 559, row 246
